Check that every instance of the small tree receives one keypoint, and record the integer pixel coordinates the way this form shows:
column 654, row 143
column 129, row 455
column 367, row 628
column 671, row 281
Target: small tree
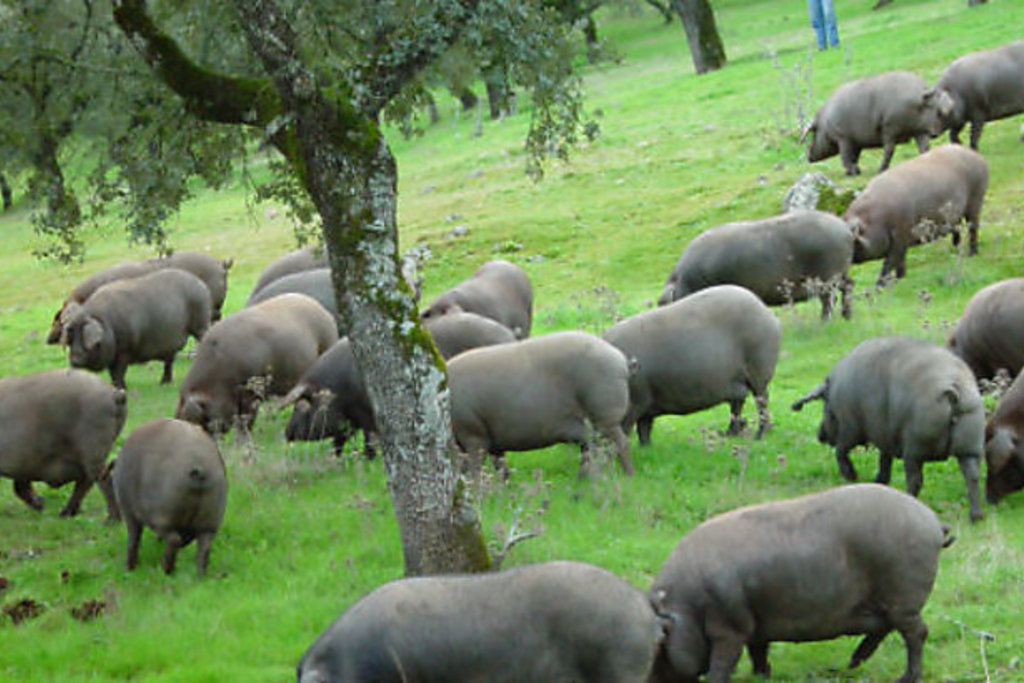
column 315, row 80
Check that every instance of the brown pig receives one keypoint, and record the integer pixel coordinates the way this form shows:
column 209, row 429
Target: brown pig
column 169, row 476
column 1004, row 445
column 917, row 201
column 58, row 426
column 273, row 343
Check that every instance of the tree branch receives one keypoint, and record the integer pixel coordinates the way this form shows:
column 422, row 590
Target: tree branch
column 387, row 72
column 209, row 95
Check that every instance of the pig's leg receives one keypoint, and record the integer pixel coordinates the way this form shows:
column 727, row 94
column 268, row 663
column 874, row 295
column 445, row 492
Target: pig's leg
column 174, row 543
column 736, row 421
column 23, row 490
column 203, row 541
column 82, row 487
column 759, row 657
column 914, row 633
column 644, row 425
column 867, row 647
column 134, row 535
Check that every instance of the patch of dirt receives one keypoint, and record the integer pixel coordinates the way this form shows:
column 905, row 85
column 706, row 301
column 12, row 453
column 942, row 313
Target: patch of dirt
column 4, row 583
column 89, row 610
column 23, row 609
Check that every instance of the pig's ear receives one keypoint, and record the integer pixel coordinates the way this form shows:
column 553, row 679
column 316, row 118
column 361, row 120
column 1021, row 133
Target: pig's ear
column 92, row 333
column 810, row 128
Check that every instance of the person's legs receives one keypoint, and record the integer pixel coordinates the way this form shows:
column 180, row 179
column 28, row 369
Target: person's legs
column 828, row 12
column 814, row 9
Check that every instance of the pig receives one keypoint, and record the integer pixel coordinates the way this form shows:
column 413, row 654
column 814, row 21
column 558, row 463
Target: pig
column 498, row 290
column 990, row 334
column 781, row 259
column 1004, row 453
column 138, row 320
column 169, row 476
column 330, row 399
column 296, row 261
column 539, row 392
column 984, row 86
column 855, row 560
column 84, row 290
column 878, row 111
column 211, row 271
column 714, row 346
column 460, row 331
column 272, row 343
column 58, row 426
column 910, row 399
column 556, row 621
column 315, row 283
column 916, row 201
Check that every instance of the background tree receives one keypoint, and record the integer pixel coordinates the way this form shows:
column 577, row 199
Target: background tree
column 324, row 115
column 72, row 90
column 706, row 46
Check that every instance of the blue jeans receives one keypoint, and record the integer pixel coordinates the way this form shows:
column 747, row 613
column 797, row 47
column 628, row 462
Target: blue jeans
column 823, row 19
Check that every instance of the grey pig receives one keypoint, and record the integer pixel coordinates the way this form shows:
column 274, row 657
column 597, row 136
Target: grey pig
column 169, row 476
column 137, row 320
column 781, row 259
column 878, row 111
column 59, row 426
column 854, row 560
column 557, row 621
column 539, row 392
column 330, row 399
column 989, row 335
column 984, row 86
column 912, row 400
column 295, row 261
column 460, row 331
column 213, row 273
column 498, row 290
column 711, row 347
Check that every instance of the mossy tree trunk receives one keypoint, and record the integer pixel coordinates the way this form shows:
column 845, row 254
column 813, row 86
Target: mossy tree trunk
column 334, row 144
column 706, row 46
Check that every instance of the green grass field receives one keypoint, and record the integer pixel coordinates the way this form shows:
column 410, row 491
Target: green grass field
column 306, row 534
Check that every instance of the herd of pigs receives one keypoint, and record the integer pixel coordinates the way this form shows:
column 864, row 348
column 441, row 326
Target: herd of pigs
column 856, row 560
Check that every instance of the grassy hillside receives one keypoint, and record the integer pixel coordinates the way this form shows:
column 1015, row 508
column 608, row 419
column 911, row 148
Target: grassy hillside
column 306, row 534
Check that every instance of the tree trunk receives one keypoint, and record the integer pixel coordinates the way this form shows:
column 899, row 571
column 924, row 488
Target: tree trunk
column 702, row 34
column 351, row 176
column 499, row 94
column 63, row 211
column 467, row 98
column 404, row 376
column 663, row 9
column 5, row 192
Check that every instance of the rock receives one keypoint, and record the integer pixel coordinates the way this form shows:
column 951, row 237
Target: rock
column 815, row 191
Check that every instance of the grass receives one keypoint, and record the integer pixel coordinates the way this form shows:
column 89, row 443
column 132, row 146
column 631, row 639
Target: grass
column 305, row 534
